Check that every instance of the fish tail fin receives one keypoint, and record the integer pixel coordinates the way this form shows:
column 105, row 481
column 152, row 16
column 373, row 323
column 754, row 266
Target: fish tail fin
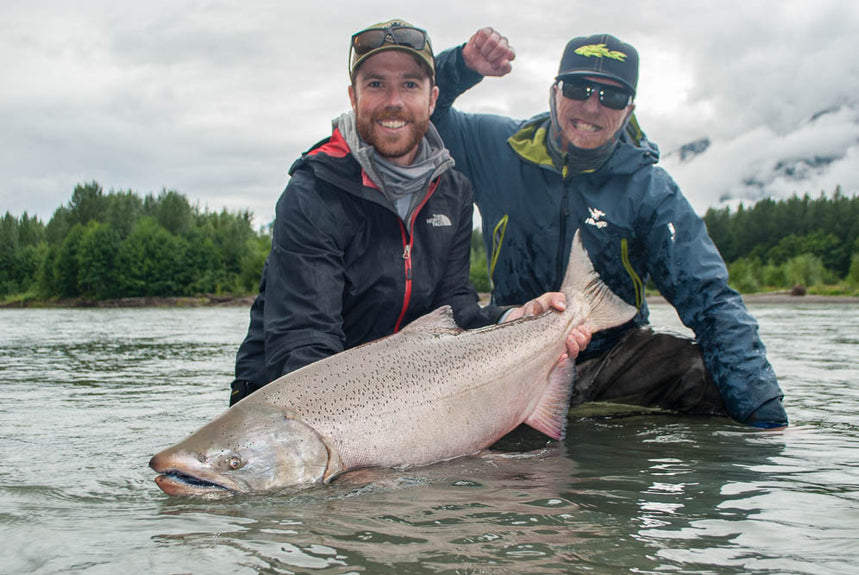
column 606, row 309
column 550, row 415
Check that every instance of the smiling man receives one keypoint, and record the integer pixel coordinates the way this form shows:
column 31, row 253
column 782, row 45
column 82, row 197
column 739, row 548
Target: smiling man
column 374, row 227
column 585, row 165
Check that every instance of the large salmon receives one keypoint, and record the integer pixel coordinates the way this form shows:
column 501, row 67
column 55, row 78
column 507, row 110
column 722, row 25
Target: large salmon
column 429, row 393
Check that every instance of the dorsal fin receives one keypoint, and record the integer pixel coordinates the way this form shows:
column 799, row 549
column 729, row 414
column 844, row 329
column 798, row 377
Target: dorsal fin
column 439, row 320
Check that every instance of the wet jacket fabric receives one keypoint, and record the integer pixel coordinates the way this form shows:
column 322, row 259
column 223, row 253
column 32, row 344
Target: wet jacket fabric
column 635, row 224
column 345, row 269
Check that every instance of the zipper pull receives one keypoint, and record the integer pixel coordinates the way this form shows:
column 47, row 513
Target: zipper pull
column 407, row 252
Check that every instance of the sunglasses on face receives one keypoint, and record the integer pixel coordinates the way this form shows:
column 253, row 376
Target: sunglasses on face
column 373, row 38
column 609, row 96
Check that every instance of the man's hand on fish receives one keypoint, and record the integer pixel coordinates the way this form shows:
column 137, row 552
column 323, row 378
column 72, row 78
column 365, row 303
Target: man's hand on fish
column 580, row 336
column 488, row 53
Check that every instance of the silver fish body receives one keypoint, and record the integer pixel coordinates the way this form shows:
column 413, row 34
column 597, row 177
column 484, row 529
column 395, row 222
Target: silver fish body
column 429, row 393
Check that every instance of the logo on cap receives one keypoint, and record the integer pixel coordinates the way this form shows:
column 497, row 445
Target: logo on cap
column 600, row 51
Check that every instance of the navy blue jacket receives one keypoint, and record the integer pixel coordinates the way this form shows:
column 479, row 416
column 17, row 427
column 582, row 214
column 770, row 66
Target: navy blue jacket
column 344, row 269
column 634, row 222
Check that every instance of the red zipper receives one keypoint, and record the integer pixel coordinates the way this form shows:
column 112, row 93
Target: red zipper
column 408, row 242
column 407, row 258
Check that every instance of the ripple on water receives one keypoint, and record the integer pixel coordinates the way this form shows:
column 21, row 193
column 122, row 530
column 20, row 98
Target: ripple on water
column 92, row 394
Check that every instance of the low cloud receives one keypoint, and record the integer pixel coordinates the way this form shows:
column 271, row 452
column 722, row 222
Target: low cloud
column 216, row 100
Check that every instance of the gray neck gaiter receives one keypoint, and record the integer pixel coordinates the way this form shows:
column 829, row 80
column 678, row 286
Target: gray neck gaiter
column 403, row 186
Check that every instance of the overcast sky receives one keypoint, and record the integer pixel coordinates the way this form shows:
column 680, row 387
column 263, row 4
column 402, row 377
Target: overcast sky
column 217, row 99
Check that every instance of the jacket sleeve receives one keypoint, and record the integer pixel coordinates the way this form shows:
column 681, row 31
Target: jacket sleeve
column 689, row 271
column 476, row 141
column 456, row 289
column 250, row 358
column 459, row 130
column 453, row 78
column 304, row 281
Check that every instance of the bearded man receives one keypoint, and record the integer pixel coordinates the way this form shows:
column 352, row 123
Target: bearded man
column 374, row 227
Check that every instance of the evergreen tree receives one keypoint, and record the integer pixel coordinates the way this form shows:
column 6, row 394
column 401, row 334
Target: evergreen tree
column 8, row 250
column 67, row 262
column 150, row 261
column 122, row 210
column 172, row 210
column 58, row 226
column 97, row 253
column 87, row 203
column 47, row 282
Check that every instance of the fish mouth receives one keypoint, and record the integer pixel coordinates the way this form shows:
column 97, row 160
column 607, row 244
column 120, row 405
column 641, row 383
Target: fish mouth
column 174, row 482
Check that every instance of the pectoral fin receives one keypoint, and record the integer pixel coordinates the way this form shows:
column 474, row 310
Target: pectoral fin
column 550, row 415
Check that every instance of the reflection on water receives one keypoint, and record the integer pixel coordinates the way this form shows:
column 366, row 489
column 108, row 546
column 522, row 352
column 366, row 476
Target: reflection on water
column 91, row 394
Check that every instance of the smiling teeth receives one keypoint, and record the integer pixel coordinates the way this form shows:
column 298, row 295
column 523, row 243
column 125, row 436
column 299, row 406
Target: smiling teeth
column 586, row 127
column 393, row 124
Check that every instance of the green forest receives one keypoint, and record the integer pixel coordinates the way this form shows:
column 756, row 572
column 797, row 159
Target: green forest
column 800, row 241
column 119, row 245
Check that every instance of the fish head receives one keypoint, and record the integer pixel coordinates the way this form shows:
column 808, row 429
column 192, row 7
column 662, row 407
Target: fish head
column 249, row 449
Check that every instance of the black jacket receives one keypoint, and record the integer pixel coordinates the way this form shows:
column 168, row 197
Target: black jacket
column 344, row 269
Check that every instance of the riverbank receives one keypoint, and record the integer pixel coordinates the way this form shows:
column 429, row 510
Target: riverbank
column 205, row 300
column 211, row 300
column 778, row 298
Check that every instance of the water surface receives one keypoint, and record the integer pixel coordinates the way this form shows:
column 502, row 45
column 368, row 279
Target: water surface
column 90, row 395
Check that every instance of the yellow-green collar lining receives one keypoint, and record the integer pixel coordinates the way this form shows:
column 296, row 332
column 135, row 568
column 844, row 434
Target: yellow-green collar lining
column 530, row 141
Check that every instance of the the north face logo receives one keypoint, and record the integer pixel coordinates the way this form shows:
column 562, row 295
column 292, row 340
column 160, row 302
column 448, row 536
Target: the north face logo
column 439, row 221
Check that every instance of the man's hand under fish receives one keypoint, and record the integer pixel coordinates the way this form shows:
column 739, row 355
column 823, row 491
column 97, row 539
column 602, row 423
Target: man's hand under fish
column 578, row 338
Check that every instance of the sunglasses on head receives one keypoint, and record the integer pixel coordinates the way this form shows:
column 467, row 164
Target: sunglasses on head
column 610, row 96
column 373, row 38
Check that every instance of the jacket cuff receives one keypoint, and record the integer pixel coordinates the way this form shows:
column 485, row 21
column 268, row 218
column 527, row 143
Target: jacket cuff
column 453, row 76
column 465, row 75
column 503, row 312
column 769, row 415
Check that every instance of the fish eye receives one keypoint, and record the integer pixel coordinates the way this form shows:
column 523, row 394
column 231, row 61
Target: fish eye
column 235, row 462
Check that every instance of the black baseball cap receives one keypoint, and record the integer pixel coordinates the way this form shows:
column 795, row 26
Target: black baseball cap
column 601, row 56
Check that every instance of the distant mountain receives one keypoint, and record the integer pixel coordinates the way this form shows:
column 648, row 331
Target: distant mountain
column 688, row 151
column 816, row 156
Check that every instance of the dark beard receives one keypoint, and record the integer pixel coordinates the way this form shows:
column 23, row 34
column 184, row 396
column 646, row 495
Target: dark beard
column 392, row 147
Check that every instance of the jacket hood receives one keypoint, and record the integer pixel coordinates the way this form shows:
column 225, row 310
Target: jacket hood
column 633, row 151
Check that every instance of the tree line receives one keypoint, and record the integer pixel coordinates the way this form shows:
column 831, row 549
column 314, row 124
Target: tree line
column 117, row 244
column 812, row 242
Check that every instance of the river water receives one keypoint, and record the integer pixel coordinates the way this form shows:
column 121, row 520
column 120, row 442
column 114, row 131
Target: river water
column 89, row 395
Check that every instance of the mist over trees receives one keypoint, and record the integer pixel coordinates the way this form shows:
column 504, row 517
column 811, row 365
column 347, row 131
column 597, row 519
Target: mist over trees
column 117, row 244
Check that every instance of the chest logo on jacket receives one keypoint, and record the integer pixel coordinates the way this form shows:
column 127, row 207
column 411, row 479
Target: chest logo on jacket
column 596, row 218
column 439, row 221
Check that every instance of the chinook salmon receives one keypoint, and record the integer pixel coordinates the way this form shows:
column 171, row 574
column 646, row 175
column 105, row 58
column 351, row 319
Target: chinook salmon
column 429, row 393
